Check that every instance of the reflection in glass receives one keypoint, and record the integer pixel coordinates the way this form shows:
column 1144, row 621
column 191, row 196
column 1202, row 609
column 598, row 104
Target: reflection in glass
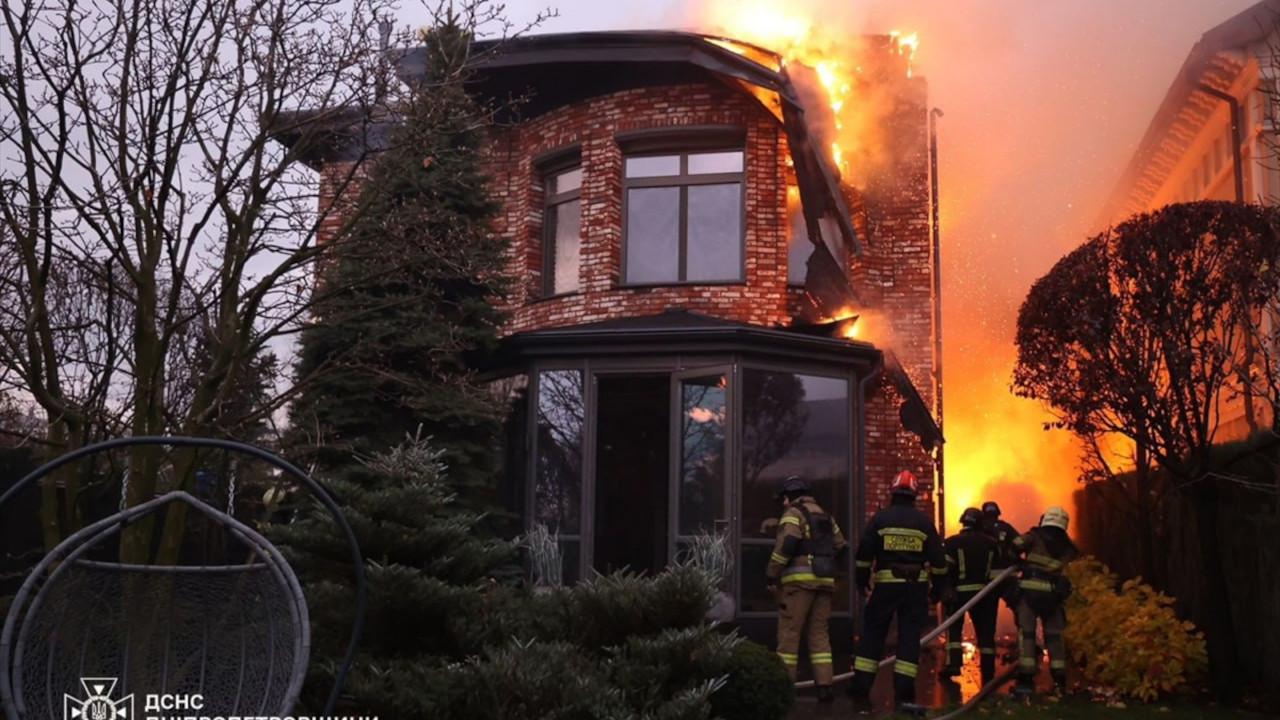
column 715, row 232
column 702, row 453
column 653, row 234
column 653, row 166
column 792, row 424
column 558, row 484
column 566, row 244
column 716, row 162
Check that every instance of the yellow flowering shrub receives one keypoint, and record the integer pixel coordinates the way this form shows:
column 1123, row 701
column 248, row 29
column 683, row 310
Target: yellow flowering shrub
column 1129, row 641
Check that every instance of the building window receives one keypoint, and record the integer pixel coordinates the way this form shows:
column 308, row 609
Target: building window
column 562, row 232
column 684, row 217
column 799, row 246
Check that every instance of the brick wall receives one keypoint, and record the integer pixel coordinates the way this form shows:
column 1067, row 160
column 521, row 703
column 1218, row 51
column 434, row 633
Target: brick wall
column 896, row 270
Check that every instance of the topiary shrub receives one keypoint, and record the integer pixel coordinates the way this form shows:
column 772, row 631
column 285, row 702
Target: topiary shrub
column 1129, row 640
column 756, row 687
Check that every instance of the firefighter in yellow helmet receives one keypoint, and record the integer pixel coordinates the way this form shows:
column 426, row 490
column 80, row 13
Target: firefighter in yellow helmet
column 1042, row 590
column 801, row 572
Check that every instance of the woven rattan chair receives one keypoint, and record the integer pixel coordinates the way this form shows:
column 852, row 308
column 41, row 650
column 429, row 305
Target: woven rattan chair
column 82, row 631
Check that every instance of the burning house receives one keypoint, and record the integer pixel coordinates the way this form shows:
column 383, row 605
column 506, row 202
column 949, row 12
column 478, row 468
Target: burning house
column 1214, row 137
column 709, row 302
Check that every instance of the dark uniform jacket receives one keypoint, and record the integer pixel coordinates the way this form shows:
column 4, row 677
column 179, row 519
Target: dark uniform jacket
column 971, row 553
column 899, row 541
column 1048, row 550
column 801, row 556
column 1004, row 535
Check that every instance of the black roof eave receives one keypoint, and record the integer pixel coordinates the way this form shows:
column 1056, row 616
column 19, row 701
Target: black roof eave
column 761, row 342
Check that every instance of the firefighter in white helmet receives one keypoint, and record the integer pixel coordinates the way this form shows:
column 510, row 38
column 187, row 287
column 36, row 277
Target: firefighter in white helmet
column 1042, row 590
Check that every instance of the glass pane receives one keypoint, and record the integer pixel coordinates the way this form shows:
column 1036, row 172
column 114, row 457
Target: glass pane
column 702, row 454
column 566, row 245
column 513, row 394
column 565, row 181
column 718, row 162
column 558, row 488
column 653, row 235
column 715, row 232
column 793, row 425
column 755, row 596
column 570, row 551
column 654, row 166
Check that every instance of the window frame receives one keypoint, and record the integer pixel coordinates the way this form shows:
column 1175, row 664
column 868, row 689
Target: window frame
column 684, row 143
column 550, row 165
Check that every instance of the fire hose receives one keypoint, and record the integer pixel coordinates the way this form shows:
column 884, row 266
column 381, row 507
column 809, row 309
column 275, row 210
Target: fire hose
column 957, row 616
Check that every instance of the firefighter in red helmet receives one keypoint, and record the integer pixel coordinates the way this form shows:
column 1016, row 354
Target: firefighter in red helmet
column 801, row 573
column 899, row 549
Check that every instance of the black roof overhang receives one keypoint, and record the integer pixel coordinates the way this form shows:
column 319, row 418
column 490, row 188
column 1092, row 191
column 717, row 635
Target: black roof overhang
column 574, row 342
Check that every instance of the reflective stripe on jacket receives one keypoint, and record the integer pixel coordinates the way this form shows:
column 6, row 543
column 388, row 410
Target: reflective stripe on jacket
column 787, row 563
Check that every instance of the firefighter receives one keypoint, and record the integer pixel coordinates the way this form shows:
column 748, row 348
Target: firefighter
column 801, row 574
column 1042, row 590
column 970, row 555
column 902, row 545
column 1004, row 534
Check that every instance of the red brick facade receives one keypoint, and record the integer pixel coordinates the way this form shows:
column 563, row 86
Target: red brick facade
column 593, row 124
column 894, row 274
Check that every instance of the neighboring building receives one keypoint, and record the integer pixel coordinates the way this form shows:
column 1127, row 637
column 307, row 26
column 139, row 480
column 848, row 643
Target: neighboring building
column 1214, row 138
column 689, row 266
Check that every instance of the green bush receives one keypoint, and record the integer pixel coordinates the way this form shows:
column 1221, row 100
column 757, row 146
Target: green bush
column 1128, row 640
column 756, row 687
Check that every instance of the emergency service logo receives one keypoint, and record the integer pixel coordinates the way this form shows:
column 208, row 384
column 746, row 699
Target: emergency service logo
column 97, row 703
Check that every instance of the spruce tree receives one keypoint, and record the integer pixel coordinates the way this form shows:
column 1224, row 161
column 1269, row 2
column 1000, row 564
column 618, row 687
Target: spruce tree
column 431, row 583
column 410, row 304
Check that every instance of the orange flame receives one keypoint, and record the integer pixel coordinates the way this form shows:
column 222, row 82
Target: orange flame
column 801, row 39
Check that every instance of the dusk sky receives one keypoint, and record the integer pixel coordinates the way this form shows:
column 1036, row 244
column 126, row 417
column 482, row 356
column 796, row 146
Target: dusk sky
column 1044, row 103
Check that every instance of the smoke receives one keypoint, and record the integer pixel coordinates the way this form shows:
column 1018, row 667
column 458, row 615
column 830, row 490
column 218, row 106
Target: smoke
column 1044, row 104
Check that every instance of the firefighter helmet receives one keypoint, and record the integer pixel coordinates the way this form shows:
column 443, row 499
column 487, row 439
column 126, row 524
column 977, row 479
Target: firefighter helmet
column 1055, row 517
column 904, row 483
column 990, row 508
column 793, row 487
column 971, row 517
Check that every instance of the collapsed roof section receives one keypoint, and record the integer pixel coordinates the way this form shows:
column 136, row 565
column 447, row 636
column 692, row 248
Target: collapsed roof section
column 544, row 72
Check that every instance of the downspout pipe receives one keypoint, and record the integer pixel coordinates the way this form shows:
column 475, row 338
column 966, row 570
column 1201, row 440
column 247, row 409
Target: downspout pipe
column 1236, row 134
column 1237, row 164
column 860, row 431
column 940, row 478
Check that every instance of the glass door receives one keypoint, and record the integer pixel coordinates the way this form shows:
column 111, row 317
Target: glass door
column 700, row 458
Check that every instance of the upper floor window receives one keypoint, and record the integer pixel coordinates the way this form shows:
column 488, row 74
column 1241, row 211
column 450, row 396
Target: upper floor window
column 684, row 217
column 562, row 232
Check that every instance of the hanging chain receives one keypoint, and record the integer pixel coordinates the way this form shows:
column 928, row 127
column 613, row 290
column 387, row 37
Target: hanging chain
column 231, row 489
column 124, row 489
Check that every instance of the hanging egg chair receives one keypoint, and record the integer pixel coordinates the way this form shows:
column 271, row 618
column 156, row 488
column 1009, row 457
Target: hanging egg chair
column 103, row 639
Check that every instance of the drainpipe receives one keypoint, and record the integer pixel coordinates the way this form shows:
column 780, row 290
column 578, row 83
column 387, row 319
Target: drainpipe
column 939, row 478
column 1238, row 165
column 1236, row 131
column 860, row 430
